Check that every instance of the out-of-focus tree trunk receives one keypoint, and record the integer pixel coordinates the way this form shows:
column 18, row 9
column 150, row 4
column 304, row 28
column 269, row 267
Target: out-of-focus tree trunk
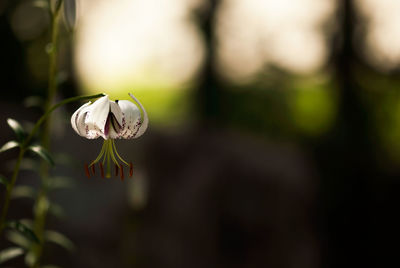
column 346, row 159
column 209, row 92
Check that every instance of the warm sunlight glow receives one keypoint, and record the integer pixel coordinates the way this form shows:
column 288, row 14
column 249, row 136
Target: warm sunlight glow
column 252, row 34
column 382, row 46
column 137, row 43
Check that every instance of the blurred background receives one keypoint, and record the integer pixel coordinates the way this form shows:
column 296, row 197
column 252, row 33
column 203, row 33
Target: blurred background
column 274, row 137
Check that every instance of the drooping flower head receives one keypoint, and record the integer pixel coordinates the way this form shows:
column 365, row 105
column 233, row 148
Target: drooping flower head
column 120, row 119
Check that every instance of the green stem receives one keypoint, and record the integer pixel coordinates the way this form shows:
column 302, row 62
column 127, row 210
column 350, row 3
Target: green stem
column 25, row 145
column 40, row 213
column 9, row 188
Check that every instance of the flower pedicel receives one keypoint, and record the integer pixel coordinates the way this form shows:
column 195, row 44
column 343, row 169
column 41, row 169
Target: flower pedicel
column 110, row 120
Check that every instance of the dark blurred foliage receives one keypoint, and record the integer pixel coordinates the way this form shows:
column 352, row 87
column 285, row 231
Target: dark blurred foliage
column 14, row 76
column 244, row 187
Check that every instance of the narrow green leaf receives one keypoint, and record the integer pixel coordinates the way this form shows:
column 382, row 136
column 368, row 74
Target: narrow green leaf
column 64, row 159
column 34, row 101
column 18, row 239
column 27, row 222
column 8, row 146
column 23, row 229
column 17, row 128
column 3, row 180
column 23, row 191
column 30, row 258
column 61, row 183
column 42, row 152
column 41, row 3
column 29, row 164
column 60, row 239
column 10, row 253
column 57, row 211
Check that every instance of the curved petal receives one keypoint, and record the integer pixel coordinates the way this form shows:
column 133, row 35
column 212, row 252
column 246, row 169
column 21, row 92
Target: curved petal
column 116, row 111
column 114, row 121
column 91, row 132
column 144, row 120
column 112, row 133
column 130, row 120
column 96, row 118
column 77, row 119
column 109, row 119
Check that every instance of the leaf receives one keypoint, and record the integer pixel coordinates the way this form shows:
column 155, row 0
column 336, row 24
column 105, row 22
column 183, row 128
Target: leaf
column 8, row 146
column 42, row 152
column 50, row 266
column 30, row 258
column 57, row 211
column 29, row 164
column 27, row 222
column 23, row 229
column 3, row 180
column 10, row 253
column 33, row 101
column 60, row 239
column 18, row 239
column 17, row 128
column 41, row 3
column 23, row 191
column 61, row 182
column 64, row 159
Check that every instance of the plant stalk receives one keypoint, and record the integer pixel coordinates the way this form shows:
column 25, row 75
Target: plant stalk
column 40, row 211
column 24, row 147
column 9, row 188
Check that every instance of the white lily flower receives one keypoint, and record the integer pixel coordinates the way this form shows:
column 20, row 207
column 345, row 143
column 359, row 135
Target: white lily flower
column 110, row 120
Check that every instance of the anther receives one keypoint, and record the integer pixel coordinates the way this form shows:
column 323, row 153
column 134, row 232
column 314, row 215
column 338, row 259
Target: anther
column 93, row 169
column 130, row 169
column 87, row 171
column 116, row 170
column 101, row 169
column 121, row 172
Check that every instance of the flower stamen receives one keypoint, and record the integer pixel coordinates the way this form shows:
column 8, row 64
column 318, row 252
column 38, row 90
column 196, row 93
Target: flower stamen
column 130, row 169
column 110, row 120
column 122, row 172
column 93, row 169
column 107, row 154
column 119, row 157
column 116, row 170
column 87, row 171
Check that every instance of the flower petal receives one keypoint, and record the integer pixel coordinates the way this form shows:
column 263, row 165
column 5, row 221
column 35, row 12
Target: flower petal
column 78, row 119
column 130, row 120
column 114, row 128
column 116, row 111
column 96, row 118
column 144, row 120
